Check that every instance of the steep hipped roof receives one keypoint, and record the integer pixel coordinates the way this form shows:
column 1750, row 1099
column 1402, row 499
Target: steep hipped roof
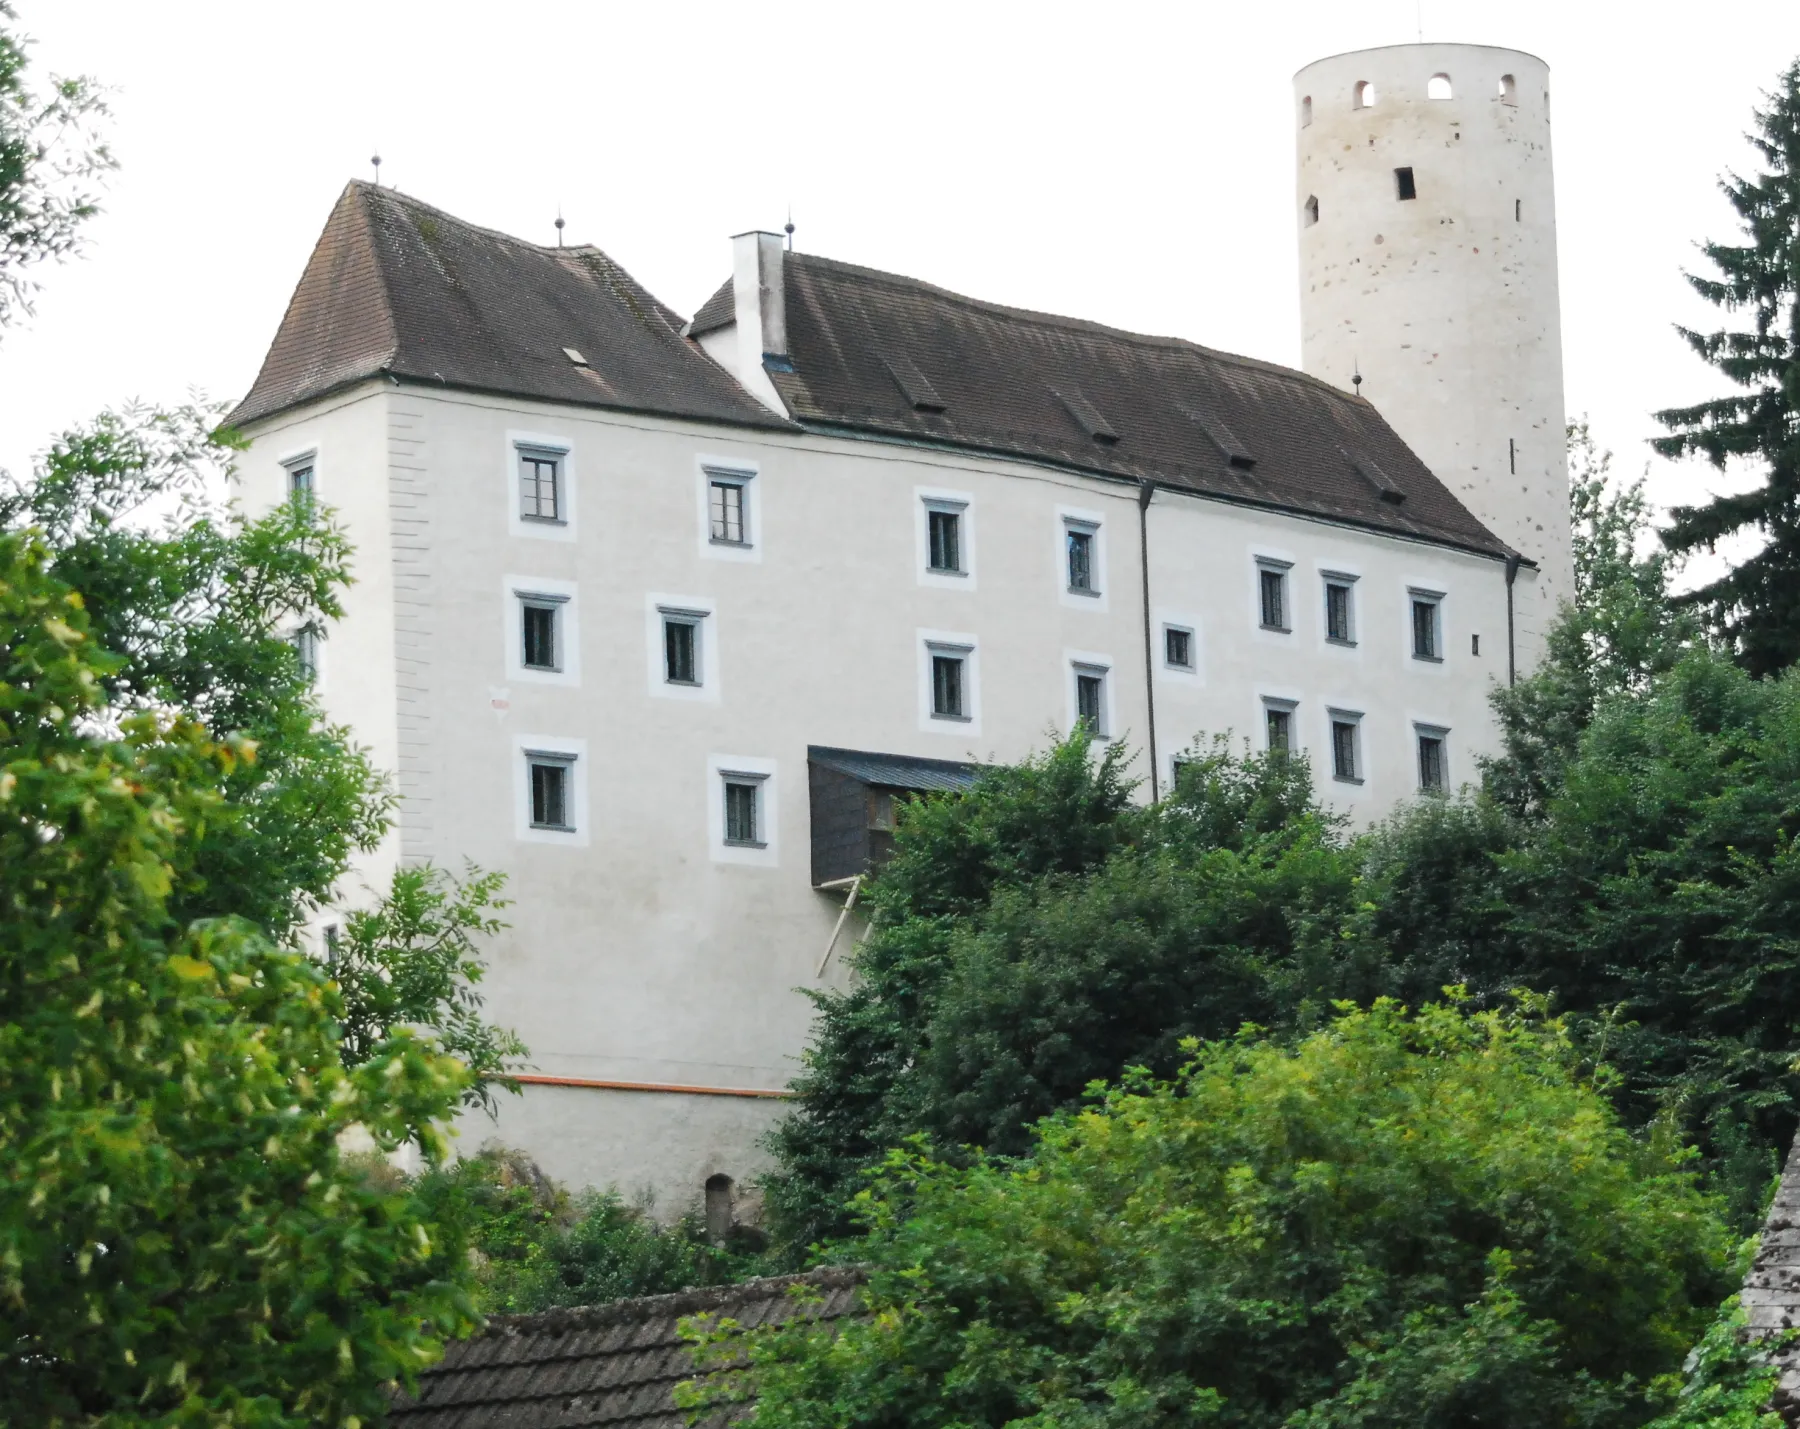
column 880, row 354
column 397, row 287
column 613, row 1365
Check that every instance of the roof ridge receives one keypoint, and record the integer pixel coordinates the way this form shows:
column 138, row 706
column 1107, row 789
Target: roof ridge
column 1068, row 323
column 414, row 201
column 565, row 1318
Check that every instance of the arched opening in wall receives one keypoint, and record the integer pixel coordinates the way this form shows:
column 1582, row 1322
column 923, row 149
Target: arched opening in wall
column 1438, row 87
column 1306, row 111
column 1309, row 211
column 719, row 1213
column 1365, row 95
column 1509, row 90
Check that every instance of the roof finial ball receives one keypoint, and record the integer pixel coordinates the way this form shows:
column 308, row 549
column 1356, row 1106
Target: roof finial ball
column 789, row 228
column 375, row 159
column 559, row 228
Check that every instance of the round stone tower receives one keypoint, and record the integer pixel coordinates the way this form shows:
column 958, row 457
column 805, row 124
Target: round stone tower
column 1428, row 269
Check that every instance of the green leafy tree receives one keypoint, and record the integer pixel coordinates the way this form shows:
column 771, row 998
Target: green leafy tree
column 181, row 1241
column 1755, row 605
column 1430, row 1222
column 413, row 960
column 1728, row 1380
column 50, row 157
column 202, row 601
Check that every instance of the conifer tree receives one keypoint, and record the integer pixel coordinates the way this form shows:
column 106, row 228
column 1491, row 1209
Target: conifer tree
column 1756, row 605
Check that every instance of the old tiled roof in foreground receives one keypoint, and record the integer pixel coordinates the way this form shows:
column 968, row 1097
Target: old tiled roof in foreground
column 396, row 287
column 608, row 1365
column 1772, row 1288
column 884, row 355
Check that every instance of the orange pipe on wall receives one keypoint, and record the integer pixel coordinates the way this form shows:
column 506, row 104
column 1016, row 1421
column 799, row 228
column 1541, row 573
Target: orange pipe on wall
column 539, row 1080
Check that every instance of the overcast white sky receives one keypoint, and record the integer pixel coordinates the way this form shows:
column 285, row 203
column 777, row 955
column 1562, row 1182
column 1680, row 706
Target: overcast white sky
column 1126, row 162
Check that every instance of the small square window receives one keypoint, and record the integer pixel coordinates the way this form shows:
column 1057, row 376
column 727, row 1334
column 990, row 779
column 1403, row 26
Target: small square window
column 1432, row 777
column 727, row 505
column 540, row 620
column 1278, row 728
column 540, row 485
column 682, row 647
column 948, row 694
column 305, row 641
column 1271, row 581
column 1426, row 644
column 1090, row 700
column 1178, row 647
column 743, row 810
column 1340, row 629
column 550, row 804
column 1079, row 541
column 944, row 528
column 1345, row 762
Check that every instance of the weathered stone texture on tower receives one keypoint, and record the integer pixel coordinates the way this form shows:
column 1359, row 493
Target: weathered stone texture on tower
column 1772, row 1288
column 1428, row 268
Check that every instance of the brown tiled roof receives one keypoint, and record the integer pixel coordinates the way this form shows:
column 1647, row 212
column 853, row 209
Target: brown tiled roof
column 609, row 1365
column 397, row 287
column 878, row 354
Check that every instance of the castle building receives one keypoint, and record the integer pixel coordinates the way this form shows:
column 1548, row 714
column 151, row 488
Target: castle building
column 660, row 617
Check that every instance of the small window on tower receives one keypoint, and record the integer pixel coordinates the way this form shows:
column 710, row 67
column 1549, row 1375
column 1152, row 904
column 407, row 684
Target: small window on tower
column 1438, row 87
column 1365, row 94
column 1306, row 111
column 1403, row 183
column 1509, row 90
column 1311, row 211
column 1518, row 210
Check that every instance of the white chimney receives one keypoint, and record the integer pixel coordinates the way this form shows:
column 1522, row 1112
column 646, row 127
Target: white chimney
column 761, row 312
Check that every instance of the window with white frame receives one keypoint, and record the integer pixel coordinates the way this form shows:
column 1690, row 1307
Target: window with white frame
column 1278, row 726
column 1346, row 746
column 541, row 495
column 1272, row 593
column 684, row 646
column 1340, row 608
column 1178, row 648
column 728, row 507
column 1434, row 775
column 1090, row 699
column 541, row 631
column 743, row 797
column 300, row 478
column 944, row 537
column 1081, row 541
column 551, row 790
column 1427, row 625
column 949, row 681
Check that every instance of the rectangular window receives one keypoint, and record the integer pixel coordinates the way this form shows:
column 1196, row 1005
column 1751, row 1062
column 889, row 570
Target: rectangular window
column 550, row 791
column 743, row 810
column 305, row 641
column 1344, row 761
column 540, row 485
column 540, row 639
column 1278, row 723
column 1338, row 627
column 681, row 647
column 1431, row 761
column 945, row 530
column 1425, row 641
column 1090, row 699
column 300, row 481
column 1403, row 184
column 947, row 693
column 1083, row 578
column 726, row 499
column 1272, row 591
column 1178, row 647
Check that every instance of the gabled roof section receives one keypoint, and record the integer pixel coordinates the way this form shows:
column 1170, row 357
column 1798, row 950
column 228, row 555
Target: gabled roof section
column 615, row 1365
column 397, row 287
column 897, row 771
column 1074, row 393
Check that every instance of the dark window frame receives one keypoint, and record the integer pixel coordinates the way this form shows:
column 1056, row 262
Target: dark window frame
column 949, row 675
column 1346, row 747
column 1091, row 698
column 1272, row 602
column 944, row 539
column 743, row 819
column 551, row 791
column 532, row 603
column 1406, row 187
column 683, row 647
column 1431, row 747
column 530, row 462
column 1182, row 635
column 1278, row 719
column 729, row 509
column 1081, row 549
column 1340, row 608
column 1426, row 619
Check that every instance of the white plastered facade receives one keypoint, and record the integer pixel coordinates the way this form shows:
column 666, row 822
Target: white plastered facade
column 636, row 952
